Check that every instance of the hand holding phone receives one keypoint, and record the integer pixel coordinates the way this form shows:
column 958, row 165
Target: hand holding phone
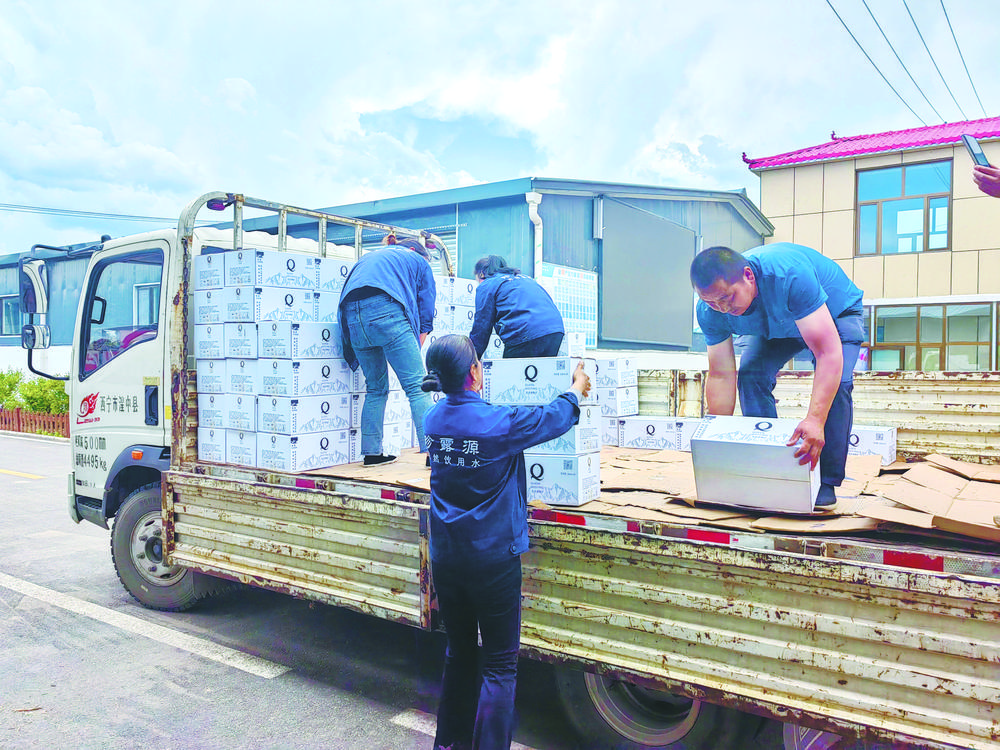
column 975, row 151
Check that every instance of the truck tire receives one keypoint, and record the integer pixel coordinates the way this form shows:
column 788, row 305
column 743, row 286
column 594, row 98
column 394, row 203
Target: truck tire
column 615, row 715
column 137, row 552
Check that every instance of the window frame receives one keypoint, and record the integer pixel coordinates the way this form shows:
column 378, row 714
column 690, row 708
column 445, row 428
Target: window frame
column 4, row 299
column 942, row 346
column 879, row 205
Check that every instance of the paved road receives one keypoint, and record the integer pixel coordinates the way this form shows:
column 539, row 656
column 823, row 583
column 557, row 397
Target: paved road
column 82, row 665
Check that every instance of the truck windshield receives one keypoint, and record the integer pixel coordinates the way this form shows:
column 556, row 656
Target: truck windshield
column 122, row 308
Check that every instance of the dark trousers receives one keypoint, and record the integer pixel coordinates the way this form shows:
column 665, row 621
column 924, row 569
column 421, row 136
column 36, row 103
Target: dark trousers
column 476, row 710
column 543, row 346
column 759, row 364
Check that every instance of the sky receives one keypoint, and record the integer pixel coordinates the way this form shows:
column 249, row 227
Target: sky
column 134, row 109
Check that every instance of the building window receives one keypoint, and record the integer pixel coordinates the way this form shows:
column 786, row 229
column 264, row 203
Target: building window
column 904, row 209
column 933, row 337
column 10, row 316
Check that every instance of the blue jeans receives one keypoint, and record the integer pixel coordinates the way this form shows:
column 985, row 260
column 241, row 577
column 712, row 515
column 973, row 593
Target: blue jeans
column 381, row 335
column 759, row 364
column 476, row 710
column 543, row 346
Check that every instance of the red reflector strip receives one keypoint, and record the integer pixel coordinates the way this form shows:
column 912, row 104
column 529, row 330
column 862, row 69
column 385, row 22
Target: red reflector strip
column 703, row 535
column 634, row 527
column 557, row 517
column 309, row 484
column 913, row 560
column 388, row 494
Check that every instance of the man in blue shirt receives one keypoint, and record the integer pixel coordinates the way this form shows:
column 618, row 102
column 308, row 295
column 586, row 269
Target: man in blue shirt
column 784, row 298
column 386, row 311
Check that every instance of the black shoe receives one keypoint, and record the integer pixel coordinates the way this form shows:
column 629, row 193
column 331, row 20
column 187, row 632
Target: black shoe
column 378, row 460
column 826, row 496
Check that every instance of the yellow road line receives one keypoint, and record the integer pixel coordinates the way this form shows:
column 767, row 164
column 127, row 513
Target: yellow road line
column 20, row 474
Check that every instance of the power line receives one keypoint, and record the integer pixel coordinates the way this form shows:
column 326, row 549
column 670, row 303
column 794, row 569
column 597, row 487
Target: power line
column 873, row 63
column 962, row 57
column 905, row 69
column 16, row 208
column 964, row 117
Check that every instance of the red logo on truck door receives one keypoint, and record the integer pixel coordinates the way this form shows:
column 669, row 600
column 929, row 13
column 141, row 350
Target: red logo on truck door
column 87, row 407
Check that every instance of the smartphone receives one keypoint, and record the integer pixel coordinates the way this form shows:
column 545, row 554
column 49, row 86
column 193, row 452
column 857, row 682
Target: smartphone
column 975, row 151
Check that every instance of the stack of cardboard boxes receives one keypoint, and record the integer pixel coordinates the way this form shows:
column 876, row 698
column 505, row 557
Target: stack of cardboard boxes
column 567, row 469
column 274, row 389
column 617, row 394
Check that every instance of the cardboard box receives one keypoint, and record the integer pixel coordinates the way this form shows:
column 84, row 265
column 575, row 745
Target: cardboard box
column 314, row 450
column 297, row 305
column 209, row 341
column 240, row 340
column 283, row 339
column 305, row 377
column 212, row 409
column 653, row 433
column 745, row 462
column 209, row 306
column 209, row 271
column 395, row 439
column 462, row 317
column 609, row 430
column 296, row 416
column 494, row 349
column 584, row 437
column 532, row 380
column 443, row 286
column 270, row 268
column 872, row 440
column 211, row 375
column 617, row 402
column 241, row 412
column 212, row 444
column 617, row 372
column 686, row 428
column 562, row 480
column 241, row 447
column 397, row 408
column 463, row 291
column 574, row 344
column 241, row 376
column 333, row 272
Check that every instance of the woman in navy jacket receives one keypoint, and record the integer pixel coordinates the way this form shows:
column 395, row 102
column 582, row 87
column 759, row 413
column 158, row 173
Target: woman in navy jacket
column 479, row 529
column 524, row 315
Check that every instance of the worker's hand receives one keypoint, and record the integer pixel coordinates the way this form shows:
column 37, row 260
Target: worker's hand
column 812, row 434
column 581, row 381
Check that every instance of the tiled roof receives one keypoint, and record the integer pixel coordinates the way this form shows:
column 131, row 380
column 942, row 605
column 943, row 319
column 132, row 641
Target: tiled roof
column 895, row 140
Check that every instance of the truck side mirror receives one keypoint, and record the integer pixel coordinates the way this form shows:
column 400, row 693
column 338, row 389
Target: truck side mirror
column 35, row 337
column 33, row 278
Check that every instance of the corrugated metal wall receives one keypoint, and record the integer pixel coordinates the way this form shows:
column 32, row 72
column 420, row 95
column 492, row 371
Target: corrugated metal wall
column 957, row 414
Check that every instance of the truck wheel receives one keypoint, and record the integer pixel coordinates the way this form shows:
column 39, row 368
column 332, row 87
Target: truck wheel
column 137, row 552
column 616, row 715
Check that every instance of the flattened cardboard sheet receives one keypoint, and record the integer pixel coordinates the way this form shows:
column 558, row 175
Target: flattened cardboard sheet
column 813, row 525
column 893, row 513
column 965, row 468
column 927, row 475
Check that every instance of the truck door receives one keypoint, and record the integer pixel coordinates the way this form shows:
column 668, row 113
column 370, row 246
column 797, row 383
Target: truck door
column 116, row 398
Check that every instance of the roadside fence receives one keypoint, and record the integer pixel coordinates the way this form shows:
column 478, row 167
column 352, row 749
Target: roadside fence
column 20, row 420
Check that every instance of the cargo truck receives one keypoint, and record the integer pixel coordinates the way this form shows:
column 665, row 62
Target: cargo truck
column 663, row 635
